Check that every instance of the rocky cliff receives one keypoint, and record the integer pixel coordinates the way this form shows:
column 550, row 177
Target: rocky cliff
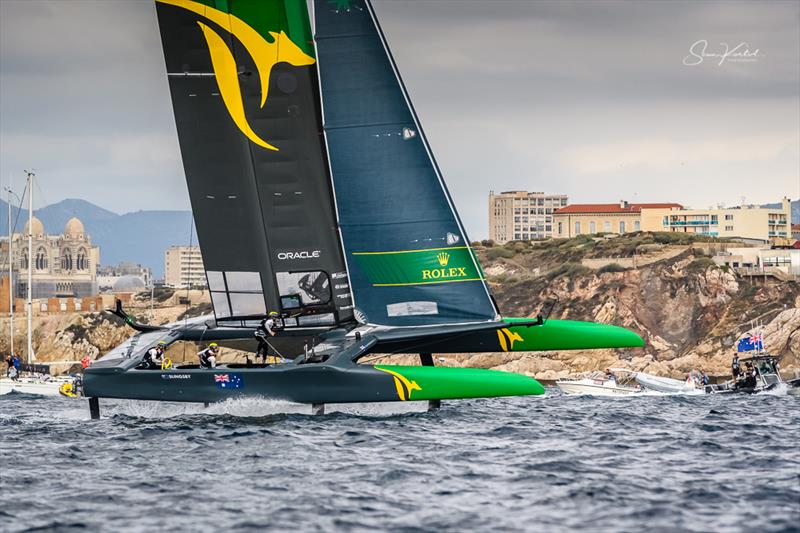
column 689, row 311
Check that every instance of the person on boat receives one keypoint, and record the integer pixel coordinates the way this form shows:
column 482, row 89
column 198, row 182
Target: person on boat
column 267, row 328
column 85, row 362
column 704, row 379
column 208, row 357
column 12, row 371
column 750, row 374
column 736, row 370
column 154, row 356
column 14, row 362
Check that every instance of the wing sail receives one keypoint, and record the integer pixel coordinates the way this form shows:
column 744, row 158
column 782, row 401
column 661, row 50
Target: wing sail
column 407, row 253
column 243, row 80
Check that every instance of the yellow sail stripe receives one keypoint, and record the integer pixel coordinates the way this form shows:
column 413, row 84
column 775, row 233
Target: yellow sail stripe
column 411, row 251
column 423, row 282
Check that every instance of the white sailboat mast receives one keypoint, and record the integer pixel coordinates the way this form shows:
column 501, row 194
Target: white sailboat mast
column 29, row 305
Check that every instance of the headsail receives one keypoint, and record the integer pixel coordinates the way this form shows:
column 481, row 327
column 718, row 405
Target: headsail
column 244, row 90
column 407, row 252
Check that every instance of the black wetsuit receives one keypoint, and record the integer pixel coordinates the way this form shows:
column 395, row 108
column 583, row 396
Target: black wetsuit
column 205, row 362
column 150, row 361
column 262, row 333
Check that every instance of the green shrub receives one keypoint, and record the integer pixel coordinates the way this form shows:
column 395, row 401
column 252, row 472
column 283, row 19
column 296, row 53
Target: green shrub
column 701, row 264
column 612, row 267
column 495, row 253
column 569, row 270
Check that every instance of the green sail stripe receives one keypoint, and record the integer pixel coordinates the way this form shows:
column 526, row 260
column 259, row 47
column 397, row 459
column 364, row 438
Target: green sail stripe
column 418, row 267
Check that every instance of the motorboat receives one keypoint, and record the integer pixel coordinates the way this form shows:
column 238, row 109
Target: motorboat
column 42, row 385
column 614, row 382
column 760, row 374
column 668, row 385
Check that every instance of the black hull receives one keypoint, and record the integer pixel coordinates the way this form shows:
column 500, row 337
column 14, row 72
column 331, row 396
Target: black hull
column 290, row 382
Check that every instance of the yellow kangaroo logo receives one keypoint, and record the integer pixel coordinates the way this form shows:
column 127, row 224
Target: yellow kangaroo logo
column 402, row 384
column 265, row 55
column 513, row 336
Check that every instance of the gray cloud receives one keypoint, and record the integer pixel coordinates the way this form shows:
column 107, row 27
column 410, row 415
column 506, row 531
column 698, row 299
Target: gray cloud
column 585, row 98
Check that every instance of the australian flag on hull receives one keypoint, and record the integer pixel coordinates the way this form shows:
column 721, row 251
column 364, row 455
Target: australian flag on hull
column 753, row 343
column 229, row 381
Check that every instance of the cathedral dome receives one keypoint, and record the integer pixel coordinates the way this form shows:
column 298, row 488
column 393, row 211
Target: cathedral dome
column 38, row 227
column 73, row 228
column 129, row 284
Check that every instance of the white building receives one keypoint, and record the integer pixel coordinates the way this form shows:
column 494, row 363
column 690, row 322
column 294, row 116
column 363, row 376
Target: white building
column 785, row 260
column 183, row 267
column 108, row 276
column 522, row 215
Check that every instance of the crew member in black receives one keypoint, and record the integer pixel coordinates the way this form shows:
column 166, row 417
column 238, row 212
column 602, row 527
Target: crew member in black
column 736, row 370
column 264, row 331
column 154, row 356
column 208, row 357
column 749, row 376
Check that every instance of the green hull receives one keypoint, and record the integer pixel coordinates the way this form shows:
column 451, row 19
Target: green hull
column 564, row 335
column 443, row 383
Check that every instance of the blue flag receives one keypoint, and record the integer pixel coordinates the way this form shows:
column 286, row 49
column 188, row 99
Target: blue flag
column 748, row 344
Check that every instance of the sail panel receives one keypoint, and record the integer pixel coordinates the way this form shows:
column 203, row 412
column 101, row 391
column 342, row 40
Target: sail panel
column 244, row 88
column 407, row 253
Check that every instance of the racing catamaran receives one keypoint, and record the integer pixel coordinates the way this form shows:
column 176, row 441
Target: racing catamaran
column 317, row 197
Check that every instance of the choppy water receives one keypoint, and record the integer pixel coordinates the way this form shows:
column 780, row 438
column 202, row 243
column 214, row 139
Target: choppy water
column 558, row 463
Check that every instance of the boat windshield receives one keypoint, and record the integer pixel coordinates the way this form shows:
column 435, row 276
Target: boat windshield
column 133, row 345
column 766, row 366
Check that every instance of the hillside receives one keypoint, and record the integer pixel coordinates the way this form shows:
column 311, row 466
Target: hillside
column 140, row 237
column 689, row 311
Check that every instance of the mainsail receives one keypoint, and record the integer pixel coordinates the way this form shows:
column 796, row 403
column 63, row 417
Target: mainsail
column 244, row 88
column 407, row 253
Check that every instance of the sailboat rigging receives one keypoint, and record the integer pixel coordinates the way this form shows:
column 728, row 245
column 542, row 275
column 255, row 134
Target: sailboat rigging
column 34, row 379
column 318, row 200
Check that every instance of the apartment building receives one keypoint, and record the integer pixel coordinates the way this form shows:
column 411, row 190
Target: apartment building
column 746, row 222
column 522, row 215
column 183, row 267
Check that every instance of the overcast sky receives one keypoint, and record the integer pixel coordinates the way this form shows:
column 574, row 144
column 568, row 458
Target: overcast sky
column 591, row 99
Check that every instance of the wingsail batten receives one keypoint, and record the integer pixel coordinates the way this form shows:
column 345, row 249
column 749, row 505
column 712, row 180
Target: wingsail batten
column 389, row 194
column 242, row 75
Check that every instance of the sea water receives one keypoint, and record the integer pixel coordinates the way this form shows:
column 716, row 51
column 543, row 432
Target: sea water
column 553, row 463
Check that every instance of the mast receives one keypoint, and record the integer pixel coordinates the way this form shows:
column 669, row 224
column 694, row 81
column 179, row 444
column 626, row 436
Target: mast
column 10, row 276
column 29, row 304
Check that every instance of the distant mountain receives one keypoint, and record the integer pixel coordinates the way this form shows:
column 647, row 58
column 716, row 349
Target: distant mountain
column 795, row 210
column 140, row 237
